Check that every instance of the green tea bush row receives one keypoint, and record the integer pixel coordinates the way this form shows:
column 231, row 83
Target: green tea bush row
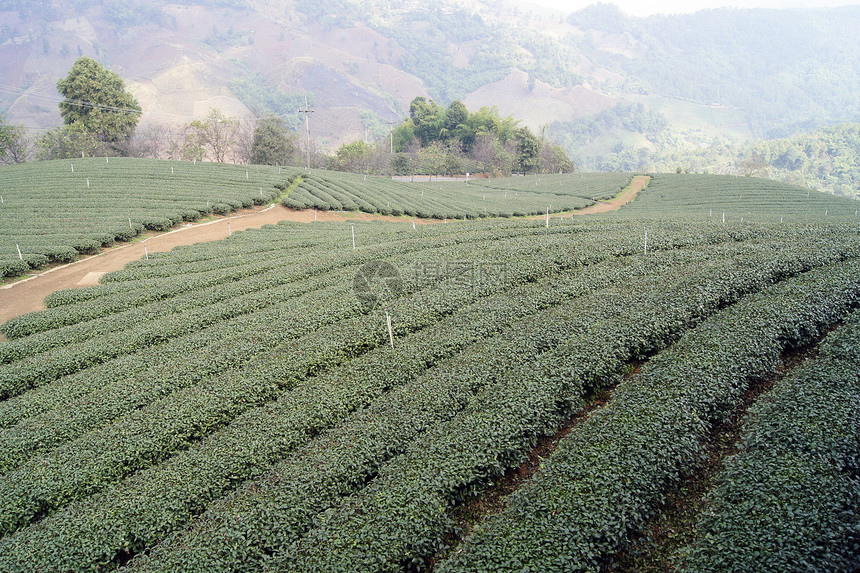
column 151, row 433
column 599, row 320
column 42, row 368
column 66, row 419
column 706, row 197
column 190, row 358
column 607, row 477
column 60, row 209
column 513, row 196
column 174, row 491
column 788, row 501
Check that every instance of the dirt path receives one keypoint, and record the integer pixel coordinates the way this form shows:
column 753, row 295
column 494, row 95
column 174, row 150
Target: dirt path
column 627, row 194
column 26, row 295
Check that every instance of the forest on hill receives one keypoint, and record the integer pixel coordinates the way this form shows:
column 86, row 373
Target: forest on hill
column 616, row 92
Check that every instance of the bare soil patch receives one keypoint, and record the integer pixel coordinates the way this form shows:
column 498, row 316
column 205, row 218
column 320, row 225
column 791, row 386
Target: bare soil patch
column 628, row 194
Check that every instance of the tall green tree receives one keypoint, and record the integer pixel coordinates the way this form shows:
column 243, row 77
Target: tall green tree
column 528, row 150
column 274, row 143
column 354, row 156
column 403, row 136
column 455, row 119
column 428, row 117
column 97, row 103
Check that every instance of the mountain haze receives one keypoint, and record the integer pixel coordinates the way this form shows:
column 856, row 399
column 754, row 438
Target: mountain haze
column 601, row 81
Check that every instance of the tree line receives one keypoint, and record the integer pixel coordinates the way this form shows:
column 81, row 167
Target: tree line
column 100, row 118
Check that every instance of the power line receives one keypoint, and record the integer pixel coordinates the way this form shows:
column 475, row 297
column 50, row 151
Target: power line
column 87, row 104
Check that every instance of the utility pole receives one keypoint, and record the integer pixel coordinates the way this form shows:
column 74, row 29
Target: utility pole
column 307, row 111
column 391, row 133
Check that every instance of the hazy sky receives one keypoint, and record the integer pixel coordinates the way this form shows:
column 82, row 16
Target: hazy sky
column 648, row 7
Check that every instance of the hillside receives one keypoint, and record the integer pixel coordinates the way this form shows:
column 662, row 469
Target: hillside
column 55, row 211
column 361, row 63
column 361, row 395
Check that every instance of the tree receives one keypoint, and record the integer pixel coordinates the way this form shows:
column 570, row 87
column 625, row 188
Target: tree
column 528, row 150
column 71, row 141
column 754, row 166
column 428, row 117
column 153, row 140
column 185, row 146
column 273, row 144
column 433, row 159
column 403, row 136
column 214, row 134
column 14, row 144
column 485, row 121
column 554, row 159
column 97, row 103
column 484, row 151
column 455, row 118
column 243, row 139
column 354, row 156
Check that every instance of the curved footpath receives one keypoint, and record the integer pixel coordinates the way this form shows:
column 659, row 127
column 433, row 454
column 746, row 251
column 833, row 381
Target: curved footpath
column 27, row 295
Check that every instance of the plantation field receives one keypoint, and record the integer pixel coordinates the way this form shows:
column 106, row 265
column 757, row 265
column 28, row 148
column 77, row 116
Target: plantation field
column 341, row 396
column 54, row 211
column 710, row 198
column 57, row 210
column 508, row 197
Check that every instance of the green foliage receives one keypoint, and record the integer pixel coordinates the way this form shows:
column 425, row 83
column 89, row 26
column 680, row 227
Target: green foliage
column 264, row 99
column 43, row 9
column 454, row 200
column 97, row 102
column 48, row 207
column 69, row 142
column 784, row 77
column 123, row 14
column 528, row 150
column 336, row 13
column 271, row 358
column 715, row 197
column 605, row 17
column 624, row 117
column 828, row 159
column 429, row 30
column 233, row 405
column 229, row 39
column 442, row 135
column 787, row 501
column 273, row 143
column 609, row 474
column 428, row 120
column 354, row 156
column 214, row 134
column 14, row 145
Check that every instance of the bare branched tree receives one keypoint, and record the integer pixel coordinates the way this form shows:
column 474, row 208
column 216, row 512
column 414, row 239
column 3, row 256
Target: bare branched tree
column 215, row 134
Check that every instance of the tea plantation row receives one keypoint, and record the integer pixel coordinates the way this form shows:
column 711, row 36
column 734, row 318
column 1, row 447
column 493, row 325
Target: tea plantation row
column 509, row 197
column 236, row 404
column 54, row 211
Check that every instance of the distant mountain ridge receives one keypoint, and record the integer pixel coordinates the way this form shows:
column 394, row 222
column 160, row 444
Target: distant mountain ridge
column 736, row 73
